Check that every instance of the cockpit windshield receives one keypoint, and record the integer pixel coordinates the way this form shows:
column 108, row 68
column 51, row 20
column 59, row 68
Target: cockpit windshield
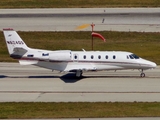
column 133, row 56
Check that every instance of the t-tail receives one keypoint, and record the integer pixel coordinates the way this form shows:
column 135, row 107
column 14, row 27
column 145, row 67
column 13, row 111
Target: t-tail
column 16, row 46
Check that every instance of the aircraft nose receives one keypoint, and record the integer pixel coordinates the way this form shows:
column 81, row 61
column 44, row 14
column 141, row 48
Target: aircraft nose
column 154, row 65
column 148, row 64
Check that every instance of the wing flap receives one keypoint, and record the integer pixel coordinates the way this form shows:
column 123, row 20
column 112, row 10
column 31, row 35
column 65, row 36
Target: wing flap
column 88, row 67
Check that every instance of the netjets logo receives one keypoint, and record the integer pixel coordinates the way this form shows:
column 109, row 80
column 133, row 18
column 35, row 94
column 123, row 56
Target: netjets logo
column 15, row 42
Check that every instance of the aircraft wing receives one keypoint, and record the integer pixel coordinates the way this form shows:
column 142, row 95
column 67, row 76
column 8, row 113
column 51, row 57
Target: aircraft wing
column 75, row 68
column 83, row 69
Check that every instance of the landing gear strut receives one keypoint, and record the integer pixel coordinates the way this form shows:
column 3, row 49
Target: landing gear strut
column 79, row 73
column 142, row 73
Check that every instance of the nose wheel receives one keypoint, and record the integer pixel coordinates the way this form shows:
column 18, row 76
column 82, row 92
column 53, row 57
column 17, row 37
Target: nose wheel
column 142, row 74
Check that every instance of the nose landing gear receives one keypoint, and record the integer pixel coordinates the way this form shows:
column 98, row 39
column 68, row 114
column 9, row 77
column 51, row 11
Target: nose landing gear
column 142, row 74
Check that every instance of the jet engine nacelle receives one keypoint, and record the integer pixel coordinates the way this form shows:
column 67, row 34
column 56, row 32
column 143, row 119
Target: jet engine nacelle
column 60, row 56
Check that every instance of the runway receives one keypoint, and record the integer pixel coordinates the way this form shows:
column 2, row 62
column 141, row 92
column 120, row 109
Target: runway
column 68, row 19
column 34, row 84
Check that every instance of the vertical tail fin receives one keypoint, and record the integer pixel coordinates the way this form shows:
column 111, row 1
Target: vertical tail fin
column 14, row 41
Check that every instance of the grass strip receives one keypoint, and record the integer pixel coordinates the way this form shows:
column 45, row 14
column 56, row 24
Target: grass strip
column 145, row 45
column 39, row 110
column 77, row 3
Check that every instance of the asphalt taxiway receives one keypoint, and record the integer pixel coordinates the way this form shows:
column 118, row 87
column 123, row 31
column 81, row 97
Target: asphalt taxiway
column 68, row 19
column 33, row 84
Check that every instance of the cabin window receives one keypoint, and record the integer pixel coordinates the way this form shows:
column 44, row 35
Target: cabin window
column 114, row 57
column 75, row 57
column 84, row 56
column 92, row 56
column 30, row 55
column 99, row 57
column 127, row 57
column 106, row 56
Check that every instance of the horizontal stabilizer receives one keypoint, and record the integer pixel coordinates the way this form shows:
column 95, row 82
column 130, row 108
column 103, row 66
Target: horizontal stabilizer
column 27, row 62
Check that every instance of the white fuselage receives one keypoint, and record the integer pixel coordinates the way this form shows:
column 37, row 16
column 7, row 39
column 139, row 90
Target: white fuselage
column 86, row 60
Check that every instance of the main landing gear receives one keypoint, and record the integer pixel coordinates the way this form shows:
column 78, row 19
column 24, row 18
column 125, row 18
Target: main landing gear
column 79, row 73
column 142, row 73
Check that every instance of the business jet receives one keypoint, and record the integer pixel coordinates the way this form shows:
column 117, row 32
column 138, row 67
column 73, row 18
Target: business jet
column 73, row 61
